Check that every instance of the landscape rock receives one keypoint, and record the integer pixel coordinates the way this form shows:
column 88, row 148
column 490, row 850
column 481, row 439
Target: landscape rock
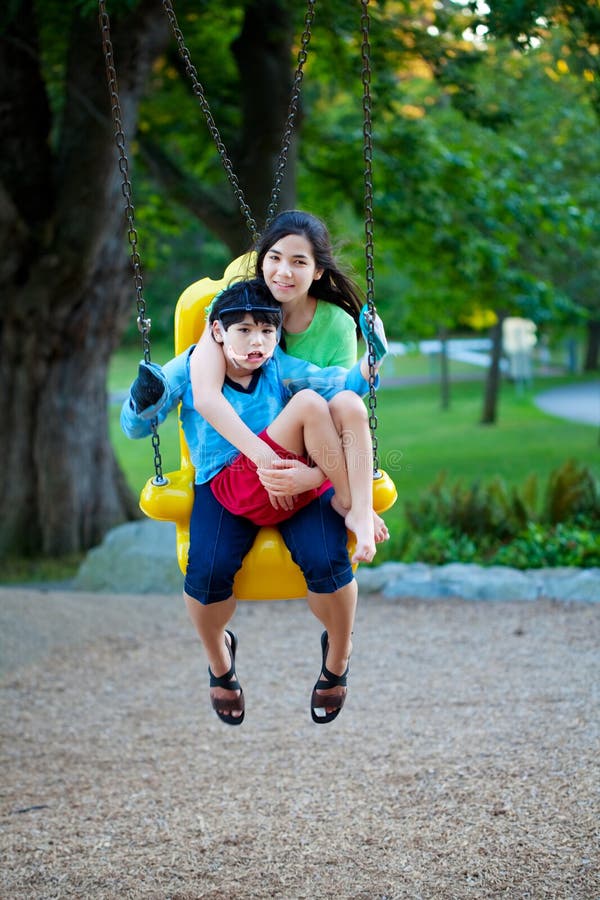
column 134, row 558
column 139, row 558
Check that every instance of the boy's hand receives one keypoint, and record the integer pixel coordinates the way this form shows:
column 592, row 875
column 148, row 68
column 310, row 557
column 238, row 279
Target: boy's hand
column 147, row 389
column 284, row 479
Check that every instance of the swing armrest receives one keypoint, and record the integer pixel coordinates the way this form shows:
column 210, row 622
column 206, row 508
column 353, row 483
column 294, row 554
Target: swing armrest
column 171, row 502
column 384, row 492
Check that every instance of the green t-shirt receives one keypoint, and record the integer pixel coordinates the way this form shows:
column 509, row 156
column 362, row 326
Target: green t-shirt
column 329, row 340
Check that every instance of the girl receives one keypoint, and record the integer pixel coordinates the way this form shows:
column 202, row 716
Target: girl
column 321, row 309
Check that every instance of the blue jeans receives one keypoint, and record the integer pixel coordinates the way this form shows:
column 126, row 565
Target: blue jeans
column 315, row 536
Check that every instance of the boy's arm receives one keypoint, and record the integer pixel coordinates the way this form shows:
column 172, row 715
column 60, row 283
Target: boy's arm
column 331, row 380
column 298, row 375
column 152, row 395
column 207, row 372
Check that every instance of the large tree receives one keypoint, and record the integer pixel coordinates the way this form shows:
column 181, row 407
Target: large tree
column 65, row 286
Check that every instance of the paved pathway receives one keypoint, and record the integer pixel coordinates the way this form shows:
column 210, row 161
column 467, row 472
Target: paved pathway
column 575, row 402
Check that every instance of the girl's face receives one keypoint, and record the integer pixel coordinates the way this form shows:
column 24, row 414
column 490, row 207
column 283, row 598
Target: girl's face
column 289, row 268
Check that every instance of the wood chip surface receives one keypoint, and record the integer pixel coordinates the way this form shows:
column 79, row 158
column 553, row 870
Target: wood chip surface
column 465, row 763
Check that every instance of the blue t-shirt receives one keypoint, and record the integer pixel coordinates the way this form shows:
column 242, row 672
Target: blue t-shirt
column 275, row 382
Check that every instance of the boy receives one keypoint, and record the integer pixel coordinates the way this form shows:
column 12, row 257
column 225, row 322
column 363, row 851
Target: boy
column 284, row 400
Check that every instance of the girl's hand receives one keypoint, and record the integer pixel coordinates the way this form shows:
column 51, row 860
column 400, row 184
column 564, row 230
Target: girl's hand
column 285, row 478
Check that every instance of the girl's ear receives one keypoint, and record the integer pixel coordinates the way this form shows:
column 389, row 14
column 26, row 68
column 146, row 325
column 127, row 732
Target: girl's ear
column 318, row 273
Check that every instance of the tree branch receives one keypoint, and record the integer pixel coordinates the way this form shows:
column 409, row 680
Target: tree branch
column 223, row 220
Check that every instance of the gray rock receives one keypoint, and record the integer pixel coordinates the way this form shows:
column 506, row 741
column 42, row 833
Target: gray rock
column 493, row 583
column 140, row 558
column 582, row 584
column 135, row 558
column 474, row 582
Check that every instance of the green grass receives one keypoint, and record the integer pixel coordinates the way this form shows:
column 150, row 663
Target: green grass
column 39, row 570
column 417, row 440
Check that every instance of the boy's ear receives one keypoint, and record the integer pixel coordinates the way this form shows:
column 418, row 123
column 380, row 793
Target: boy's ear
column 216, row 332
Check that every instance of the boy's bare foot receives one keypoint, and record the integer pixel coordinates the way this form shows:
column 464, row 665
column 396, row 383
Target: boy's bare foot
column 381, row 530
column 364, row 532
column 367, row 531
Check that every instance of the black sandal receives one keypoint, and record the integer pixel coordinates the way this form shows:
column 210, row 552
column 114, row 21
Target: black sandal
column 223, row 708
column 327, row 680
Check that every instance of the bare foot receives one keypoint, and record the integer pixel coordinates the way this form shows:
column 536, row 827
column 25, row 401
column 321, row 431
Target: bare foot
column 381, row 530
column 364, row 532
column 223, row 700
column 367, row 532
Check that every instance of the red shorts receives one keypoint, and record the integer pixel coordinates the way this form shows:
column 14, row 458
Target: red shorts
column 238, row 489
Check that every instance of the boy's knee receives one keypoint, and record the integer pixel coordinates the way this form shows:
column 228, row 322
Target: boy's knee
column 310, row 401
column 347, row 404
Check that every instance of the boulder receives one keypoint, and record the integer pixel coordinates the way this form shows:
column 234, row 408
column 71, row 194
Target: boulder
column 135, row 558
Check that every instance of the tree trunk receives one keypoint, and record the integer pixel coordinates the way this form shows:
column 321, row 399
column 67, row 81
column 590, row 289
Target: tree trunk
column 592, row 351
column 64, row 285
column 263, row 52
column 444, row 370
column 492, row 382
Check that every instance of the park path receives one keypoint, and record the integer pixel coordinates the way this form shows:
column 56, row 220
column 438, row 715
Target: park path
column 574, row 402
column 464, row 765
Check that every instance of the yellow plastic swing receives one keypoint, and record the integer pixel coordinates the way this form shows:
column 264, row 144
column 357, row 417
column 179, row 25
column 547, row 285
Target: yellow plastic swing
column 268, row 571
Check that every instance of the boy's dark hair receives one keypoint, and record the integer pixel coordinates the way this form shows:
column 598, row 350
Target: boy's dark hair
column 242, row 297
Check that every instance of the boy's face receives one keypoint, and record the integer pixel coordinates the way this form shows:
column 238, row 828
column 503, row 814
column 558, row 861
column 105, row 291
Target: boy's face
column 246, row 345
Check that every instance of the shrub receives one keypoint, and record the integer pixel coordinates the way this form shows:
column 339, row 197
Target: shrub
column 493, row 524
column 572, row 494
column 559, row 545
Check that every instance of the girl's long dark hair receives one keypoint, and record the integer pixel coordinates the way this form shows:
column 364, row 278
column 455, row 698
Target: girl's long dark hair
column 333, row 286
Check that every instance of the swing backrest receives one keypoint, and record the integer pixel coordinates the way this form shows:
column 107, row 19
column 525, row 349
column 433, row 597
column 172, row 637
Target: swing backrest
column 190, row 315
column 268, row 571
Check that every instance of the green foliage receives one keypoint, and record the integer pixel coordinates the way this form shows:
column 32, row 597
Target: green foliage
column 493, row 524
column 40, row 569
column 572, row 494
column 474, row 510
column 541, row 546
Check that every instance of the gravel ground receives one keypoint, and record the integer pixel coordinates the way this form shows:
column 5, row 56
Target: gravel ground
column 464, row 765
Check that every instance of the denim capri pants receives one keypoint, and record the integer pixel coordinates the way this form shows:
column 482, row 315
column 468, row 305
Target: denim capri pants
column 315, row 536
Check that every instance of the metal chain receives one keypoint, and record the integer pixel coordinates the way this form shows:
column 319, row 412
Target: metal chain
column 369, row 252
column 192, row 73
column 291, row 116
column 212, row 127
column 144, row 323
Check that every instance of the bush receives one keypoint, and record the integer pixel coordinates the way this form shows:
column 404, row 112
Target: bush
column 560, row 545
column 572, row 495
column 493, row 525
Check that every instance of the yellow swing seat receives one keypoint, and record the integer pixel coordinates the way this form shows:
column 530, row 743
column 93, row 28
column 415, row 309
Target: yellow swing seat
column 268, row 571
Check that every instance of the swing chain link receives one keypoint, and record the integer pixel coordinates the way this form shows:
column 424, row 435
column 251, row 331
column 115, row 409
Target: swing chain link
column 143, row 322
column 369, row 252
column 292, row 112
column 192, row 73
